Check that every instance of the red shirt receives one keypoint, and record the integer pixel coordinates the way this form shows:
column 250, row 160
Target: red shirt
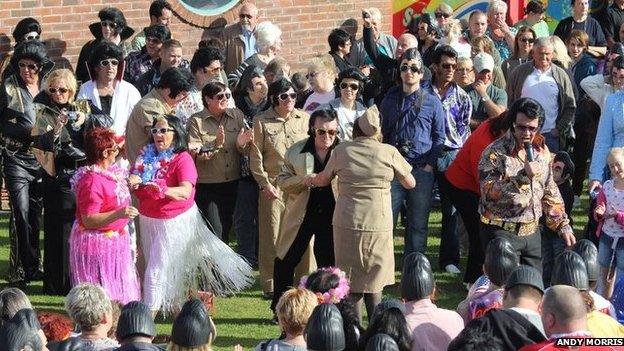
column 462, row 172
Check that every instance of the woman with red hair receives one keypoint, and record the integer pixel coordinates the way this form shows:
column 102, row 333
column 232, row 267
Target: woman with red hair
column 99, row 243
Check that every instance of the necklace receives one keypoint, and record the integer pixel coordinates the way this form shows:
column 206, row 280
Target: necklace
column 151, row 164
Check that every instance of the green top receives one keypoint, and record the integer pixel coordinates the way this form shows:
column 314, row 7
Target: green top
column 540, row 28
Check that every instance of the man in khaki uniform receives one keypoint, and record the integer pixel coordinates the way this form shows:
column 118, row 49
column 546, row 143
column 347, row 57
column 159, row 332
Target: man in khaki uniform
column 275, row 130
column 221, row 129
column 174, row 85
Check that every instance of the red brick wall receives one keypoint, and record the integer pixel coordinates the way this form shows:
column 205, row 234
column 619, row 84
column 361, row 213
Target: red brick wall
column 305, row 23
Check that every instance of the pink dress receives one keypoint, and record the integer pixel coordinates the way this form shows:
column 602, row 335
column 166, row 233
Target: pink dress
column 102, row 256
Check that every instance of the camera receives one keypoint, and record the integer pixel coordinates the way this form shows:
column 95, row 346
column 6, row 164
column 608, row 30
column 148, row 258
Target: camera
column 206, row 149
column 72, row 116
column 365, row 14
column 404, row 146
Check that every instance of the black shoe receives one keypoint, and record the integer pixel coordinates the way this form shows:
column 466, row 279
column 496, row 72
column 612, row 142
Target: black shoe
column 33, row 276
column 267, row 295
column 20, row 284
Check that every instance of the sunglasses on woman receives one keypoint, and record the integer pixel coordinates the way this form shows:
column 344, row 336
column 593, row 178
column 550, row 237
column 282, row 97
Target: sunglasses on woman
column 321, row 132
column 59, row 90
column 161, row 130
column 413, row 68
column 285, row 96
column 109, row 62
column 109, row 24
column 353, row 86
column 440, row 15
column 223, row 96
column 527, row 40
column 32, row 37
column 30, row 66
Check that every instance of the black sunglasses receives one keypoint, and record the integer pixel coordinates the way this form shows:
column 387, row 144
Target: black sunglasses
column 109, row 62
column 285, row 96
column 449, row 65
column 527, row 40
column 413, row 68
column 161, row 130
column 330, row 132
column 222, row 96
column 30, row 66
column 353, row 86
column 110, row 24
column 440, row 15
column 244, row 15
column 60, row 90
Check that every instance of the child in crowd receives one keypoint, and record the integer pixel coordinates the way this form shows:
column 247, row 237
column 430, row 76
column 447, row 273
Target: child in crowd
column 609, row 212
column 552, row 245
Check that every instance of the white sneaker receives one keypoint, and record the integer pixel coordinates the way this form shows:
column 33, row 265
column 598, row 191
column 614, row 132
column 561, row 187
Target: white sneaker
column 577, row 201
column 451, row 268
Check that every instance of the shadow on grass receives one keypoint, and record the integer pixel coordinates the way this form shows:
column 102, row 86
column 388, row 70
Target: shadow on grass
column 229, row 341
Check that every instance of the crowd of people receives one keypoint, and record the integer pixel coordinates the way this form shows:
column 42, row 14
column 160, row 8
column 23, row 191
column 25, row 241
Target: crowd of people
column 143, row 163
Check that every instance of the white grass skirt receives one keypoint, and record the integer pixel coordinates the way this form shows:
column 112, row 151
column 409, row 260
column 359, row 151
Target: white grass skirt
column 182, row 255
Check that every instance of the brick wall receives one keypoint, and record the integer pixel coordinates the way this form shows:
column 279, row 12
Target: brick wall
column 305, row 23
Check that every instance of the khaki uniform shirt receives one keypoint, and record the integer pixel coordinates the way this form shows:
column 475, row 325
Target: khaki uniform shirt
column 273, row 135
column 224, row 165
column 140, row 122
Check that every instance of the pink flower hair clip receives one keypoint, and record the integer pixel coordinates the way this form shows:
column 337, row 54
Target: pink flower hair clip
column 334, row 295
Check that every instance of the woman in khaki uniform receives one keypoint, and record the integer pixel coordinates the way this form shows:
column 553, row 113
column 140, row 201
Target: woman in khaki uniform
column 362, row 220
column 217, row 138
column 275, row 131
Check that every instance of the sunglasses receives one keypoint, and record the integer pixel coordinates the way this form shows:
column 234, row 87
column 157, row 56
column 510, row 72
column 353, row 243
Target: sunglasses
column 32, row 37
column 527, row 40
column 153, row 40
column 449, row 65
column 109, row 62
column 161, row 130
column 440, row 15
column 222, row 96
column 114, row 148
column 353, row 86
column 529, row 129
column 413, row 68
column 285, row 96
column 59, row 90
column 321, row 132
column 244, row 15
column 30, row 66
column 109, row 24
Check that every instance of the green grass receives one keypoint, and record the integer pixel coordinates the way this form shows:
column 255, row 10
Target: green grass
column 245, row 318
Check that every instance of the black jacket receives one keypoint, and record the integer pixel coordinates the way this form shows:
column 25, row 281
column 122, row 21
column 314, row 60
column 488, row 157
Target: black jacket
column 139, row 346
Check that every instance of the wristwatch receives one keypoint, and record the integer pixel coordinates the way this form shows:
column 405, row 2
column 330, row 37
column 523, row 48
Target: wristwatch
column 485, row 98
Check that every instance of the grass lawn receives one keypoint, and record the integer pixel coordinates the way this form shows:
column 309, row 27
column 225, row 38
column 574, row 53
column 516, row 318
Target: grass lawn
column 245, row 318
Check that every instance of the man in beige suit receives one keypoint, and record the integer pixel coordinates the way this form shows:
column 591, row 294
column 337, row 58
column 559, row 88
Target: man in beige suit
column 308, row 211
column 275, row 131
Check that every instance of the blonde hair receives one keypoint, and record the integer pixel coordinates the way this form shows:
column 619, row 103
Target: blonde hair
column 616, row 153
column 560, row 51
column 294, row 309
column 453, row 30
column 375, row 14
column 323, row 62
column 482, row 43
column 64, row 76
column 444, row 8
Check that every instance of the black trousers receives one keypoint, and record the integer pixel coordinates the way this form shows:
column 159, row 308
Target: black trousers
column 467, row 204
column 217, row 202
column 315, row 224
column 585, row 128
column 59, row 204
column 23, row 181
column 528, row 248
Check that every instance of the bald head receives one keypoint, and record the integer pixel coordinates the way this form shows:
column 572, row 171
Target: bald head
column 563, row 310
column 248, row 16
column 405, row 41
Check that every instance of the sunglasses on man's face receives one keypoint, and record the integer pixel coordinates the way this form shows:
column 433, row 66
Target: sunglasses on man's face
column 222, row 96
column 59, row 90
column 413, row 68
column 109, row 24
column 109, row 62
column 449, row 66
column 30, row 66
column 32, row 37
column 353, row 86
column 440, row 15
column 321, row 132
column 244, row 15
column 285, row 96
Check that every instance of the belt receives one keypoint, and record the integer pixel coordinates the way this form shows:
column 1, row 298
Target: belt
column 520, row 229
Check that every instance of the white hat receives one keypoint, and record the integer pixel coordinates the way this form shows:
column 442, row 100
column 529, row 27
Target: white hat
column 483, row 61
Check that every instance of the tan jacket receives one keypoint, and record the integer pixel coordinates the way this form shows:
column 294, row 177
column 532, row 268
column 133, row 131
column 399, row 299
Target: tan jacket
column 234, row 46
column 224, row 165
column 273, row 135
column 140, row 122
column 296, row 166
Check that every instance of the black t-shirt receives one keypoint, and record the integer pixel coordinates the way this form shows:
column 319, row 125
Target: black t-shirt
column 106, row 102
column 321, row 199
column 590, row 26
column 615, row 18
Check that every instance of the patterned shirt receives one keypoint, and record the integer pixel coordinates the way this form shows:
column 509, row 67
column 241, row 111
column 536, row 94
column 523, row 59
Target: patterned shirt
column 137, row 63
column 457, row 112
column 508, row 194
column 502, row 46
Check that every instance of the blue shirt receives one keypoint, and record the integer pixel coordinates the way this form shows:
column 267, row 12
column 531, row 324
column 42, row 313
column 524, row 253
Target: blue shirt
column 419, row 134
column 610, row 134
column 250, row 43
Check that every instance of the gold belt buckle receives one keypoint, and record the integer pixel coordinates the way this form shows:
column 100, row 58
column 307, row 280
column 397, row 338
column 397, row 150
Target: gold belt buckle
column 527, row 229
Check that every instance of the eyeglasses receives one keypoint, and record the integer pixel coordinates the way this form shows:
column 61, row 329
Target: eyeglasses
column 449, row 65
column 321, row 132
column 109, row 24
column 222, row 96
column 413, row 68
column 32, row 37
column 161, row 130
column 440, row 15
column 353, row 86
column 109, row 62
column 153, row 40
column 527, row 40
column 30, row 66
column 59, row 90
column 529, row 129
column 285, row 96
column 244, row 15
column 115, row 148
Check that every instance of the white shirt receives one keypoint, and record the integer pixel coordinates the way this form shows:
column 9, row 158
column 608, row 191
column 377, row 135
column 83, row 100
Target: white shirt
column 346, row 116
column 317, row 99
column 542, row 87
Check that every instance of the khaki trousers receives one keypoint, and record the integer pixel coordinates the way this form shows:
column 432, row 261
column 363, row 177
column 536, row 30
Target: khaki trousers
column 269, row 218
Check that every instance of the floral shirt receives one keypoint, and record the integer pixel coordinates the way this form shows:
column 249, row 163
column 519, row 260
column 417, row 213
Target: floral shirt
column 502, row 46
column 137, row 63
column 508, row 194
column 457, row 111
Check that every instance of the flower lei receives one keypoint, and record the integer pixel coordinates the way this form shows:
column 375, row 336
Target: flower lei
column 334, row 295
column 150, row 164
column 114, row 172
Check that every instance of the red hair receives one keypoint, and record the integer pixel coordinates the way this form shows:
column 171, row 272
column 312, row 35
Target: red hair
column 55, row 326
column 96, row 141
